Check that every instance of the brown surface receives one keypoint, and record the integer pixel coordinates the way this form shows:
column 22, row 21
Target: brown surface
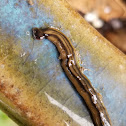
column 107, row 10
column 117, row 7
column 118, row 38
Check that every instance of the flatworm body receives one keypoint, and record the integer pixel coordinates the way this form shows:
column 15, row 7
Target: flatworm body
column 79, row 80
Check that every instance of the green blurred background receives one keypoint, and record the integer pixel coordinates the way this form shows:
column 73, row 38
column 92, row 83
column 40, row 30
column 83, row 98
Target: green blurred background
column 5, row 120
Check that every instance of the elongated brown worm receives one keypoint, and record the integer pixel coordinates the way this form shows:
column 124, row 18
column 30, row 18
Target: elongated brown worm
column 79, row 80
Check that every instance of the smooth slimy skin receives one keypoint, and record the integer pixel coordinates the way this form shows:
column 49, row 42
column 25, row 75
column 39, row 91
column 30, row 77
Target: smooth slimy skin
column 79, row 80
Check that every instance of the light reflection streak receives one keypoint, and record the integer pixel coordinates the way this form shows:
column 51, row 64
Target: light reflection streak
column 81, row 121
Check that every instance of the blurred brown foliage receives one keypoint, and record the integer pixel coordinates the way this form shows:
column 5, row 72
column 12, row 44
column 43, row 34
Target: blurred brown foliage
column 107, row 10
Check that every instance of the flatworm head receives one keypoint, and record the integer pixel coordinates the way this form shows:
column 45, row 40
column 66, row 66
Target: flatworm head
column 38, row 33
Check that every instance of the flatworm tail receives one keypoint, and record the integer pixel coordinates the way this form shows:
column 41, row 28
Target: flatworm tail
column 79, row 80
